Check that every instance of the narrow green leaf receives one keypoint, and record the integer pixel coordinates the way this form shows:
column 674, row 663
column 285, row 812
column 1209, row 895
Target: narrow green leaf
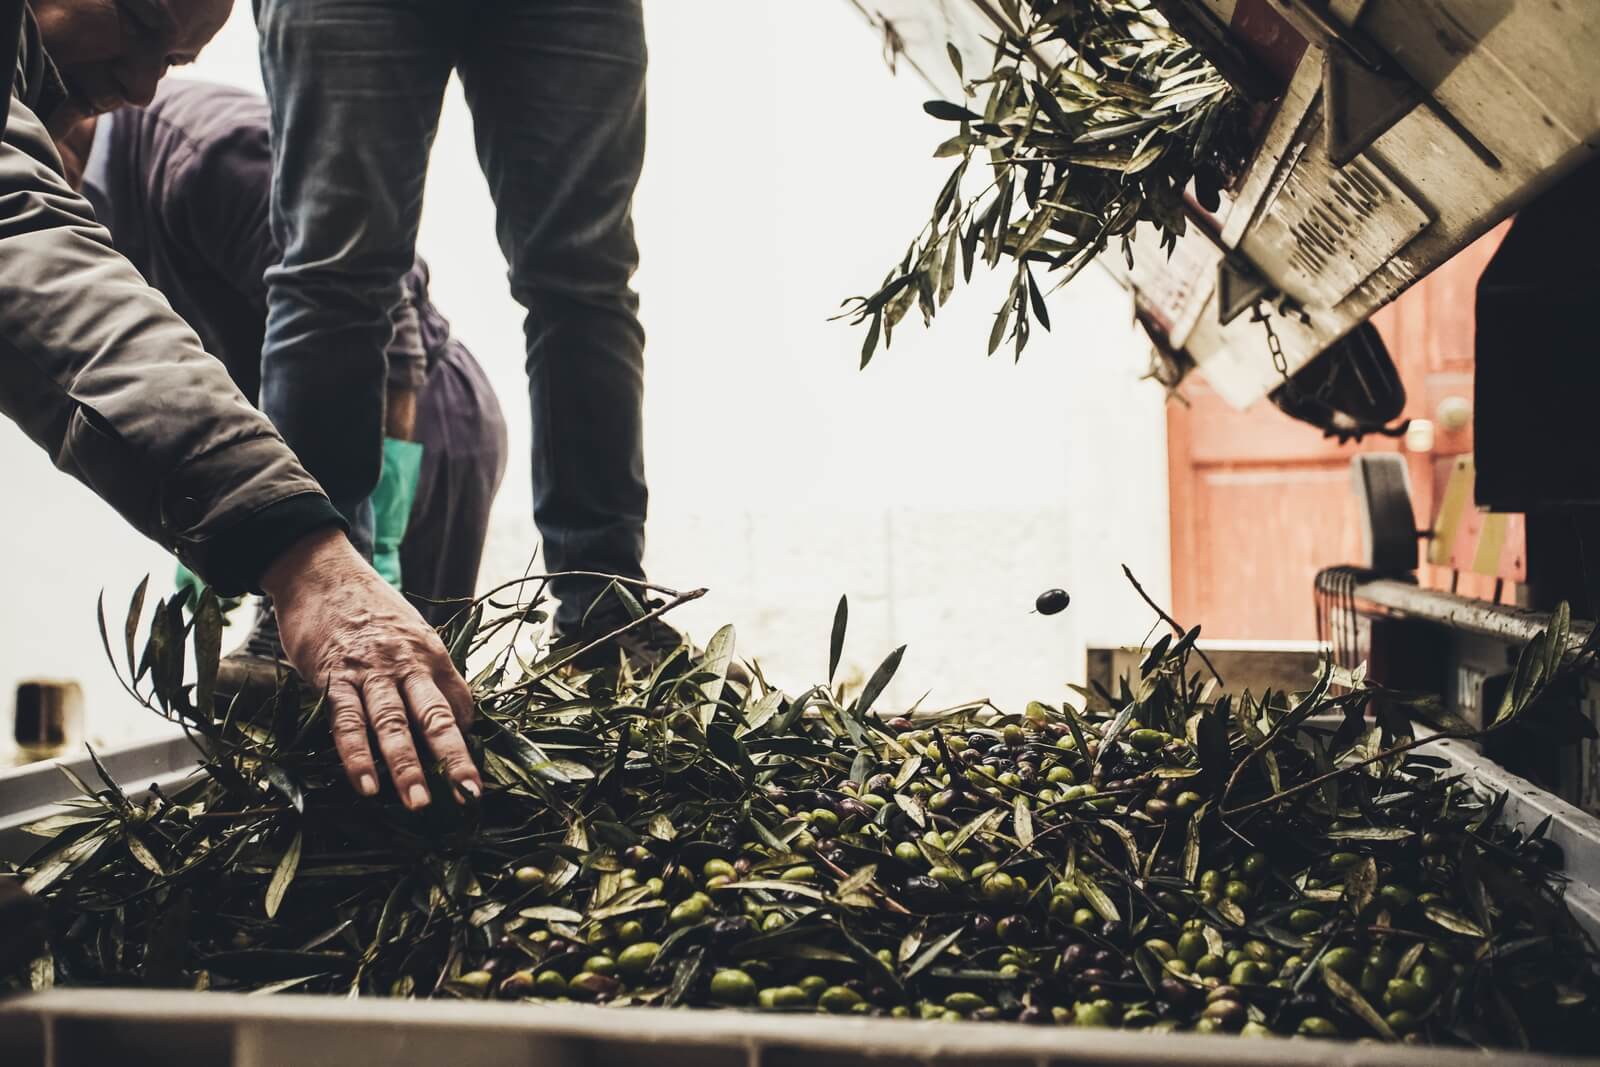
column 841, row 618
column 1358, row 1005
column 283, row 875
column 879, row 681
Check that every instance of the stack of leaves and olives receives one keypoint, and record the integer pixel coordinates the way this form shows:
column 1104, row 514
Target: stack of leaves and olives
column 1162, row 858
column 1095, row 117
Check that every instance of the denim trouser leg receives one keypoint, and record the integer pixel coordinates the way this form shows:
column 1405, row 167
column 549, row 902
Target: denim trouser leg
column 556, row 89
column 355, row 88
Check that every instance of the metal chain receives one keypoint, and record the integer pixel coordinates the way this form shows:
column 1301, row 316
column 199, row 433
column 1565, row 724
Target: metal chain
column 1263, row 315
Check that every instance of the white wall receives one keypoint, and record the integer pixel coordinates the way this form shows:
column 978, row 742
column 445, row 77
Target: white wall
column 939, row 489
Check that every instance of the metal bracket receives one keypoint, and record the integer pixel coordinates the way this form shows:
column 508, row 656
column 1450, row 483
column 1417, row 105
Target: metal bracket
column 1360, row 105
column 1239, row 287
column 1377, row 89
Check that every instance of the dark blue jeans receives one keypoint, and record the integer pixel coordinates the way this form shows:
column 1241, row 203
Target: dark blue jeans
column 556, row 89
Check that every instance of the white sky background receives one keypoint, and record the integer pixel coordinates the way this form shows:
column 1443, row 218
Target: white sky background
column 786, row 170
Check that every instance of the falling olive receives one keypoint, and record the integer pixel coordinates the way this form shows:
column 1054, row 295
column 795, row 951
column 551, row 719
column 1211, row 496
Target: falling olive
column 1052, row 602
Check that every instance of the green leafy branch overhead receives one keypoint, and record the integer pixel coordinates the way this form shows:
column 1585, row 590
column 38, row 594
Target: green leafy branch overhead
column 1095, row 118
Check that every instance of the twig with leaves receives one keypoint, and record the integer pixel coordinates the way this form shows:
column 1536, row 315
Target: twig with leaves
column 1095, row 117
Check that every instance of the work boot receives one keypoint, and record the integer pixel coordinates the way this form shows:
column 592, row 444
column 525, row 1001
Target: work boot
column 646, row 644
column 253, row 672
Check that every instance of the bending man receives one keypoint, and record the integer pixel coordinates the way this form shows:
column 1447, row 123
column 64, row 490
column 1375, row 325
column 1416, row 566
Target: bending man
column 97, row 369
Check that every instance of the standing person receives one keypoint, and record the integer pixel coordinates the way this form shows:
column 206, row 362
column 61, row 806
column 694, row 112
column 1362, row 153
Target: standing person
column 183, row 185
column 99, row 371
column 557, row 93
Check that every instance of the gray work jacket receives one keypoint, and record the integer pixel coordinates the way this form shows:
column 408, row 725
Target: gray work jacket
column 97, row 368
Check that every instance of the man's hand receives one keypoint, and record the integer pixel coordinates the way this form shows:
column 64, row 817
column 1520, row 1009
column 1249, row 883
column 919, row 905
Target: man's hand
column 346, row 630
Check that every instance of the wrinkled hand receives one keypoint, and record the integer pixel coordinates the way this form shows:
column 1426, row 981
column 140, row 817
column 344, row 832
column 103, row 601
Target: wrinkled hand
column 347, row 631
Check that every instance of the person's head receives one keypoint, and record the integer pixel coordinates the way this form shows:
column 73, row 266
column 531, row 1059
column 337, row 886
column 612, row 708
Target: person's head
column 113, row 52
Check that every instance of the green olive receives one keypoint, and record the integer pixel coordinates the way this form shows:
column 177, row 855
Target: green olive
column 1229, row 1013
column 629, row 931
column 1343, row 961
column 1147, row 740
column 713, row 868
column 600, row 964
column 1400, row 993
column 1209, row 966
column 528, row 876
column 732, row 987
column 1304, row 920
column 1248, row 972
column 838, row 999
column 1425, row 977
column 475, row 980
column 517, row 984
column 1091, row 1014
column 549, row 984
column 637, row 957
column 1000, row 886
column 1401, row 1021
column 1372, row 981
column 686, row 912
column 1060, row 775
column 1164, row 950
column 802, row 873
column 1191, row 946
column 1254, row 865
column 813, row 984
column 1396, row 896
column 784, row 996
column 1238, row 892
column 1317, row 1026
column 1084, row 918
column 965, row 1003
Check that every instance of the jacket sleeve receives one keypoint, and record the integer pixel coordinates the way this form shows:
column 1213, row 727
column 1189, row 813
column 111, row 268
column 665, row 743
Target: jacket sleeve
column 97, row 368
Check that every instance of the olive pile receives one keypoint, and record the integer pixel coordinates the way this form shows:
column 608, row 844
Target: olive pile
column 1050, row 929
column 1163, row 859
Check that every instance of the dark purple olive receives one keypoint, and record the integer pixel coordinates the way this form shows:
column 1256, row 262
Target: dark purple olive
column 1174, row 992
column 983, row 925
column 923, row 893
column 880, row 783
column 732, row 929
column 901, row 723
column 1072, row 957
column 1112, row 930
column 982, row 741
column 1105, row 958
column 1052, row 602
column 1096, row 975
column 1013, row 929
column 846, row 808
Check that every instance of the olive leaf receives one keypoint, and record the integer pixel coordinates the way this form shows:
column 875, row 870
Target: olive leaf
column 284, row 874
column 1351, row 997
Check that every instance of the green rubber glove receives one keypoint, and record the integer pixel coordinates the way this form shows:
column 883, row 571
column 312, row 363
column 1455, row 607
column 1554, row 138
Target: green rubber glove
column 391, row 505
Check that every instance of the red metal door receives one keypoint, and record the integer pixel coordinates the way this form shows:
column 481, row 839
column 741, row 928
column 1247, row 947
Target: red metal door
column 1260, row 503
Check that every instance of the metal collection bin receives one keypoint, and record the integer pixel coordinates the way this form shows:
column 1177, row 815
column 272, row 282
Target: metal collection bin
column 63, row 1028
